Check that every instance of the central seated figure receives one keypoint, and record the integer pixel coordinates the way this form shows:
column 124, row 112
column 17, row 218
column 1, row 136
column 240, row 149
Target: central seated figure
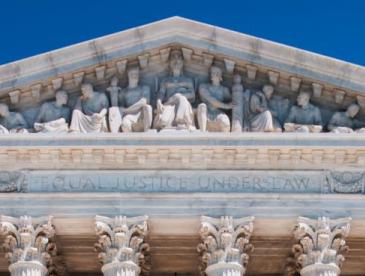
column 89, row 115
column 131, row 109
column 175, row 97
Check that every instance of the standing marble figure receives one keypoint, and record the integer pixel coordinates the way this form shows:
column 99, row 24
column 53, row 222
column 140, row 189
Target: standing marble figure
column 175, row 97
column 237, row 104
column 115, row 117
column 54, row 116
column 135, row 113
column 89, row 115
column 215, row 97
column 11, row 122
column 304, row 117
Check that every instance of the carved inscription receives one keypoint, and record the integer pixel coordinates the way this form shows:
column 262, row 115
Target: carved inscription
column 184, row 181
column 176, row 181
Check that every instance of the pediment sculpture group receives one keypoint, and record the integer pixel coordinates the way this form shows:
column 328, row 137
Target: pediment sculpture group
column 129, row 109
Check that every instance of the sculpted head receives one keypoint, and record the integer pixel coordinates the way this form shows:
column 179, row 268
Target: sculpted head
column 61, row 98
column 303, row 98
column 133, row 77
column 87, row 90
column 114, row 81
column 176, row 62
column 4, row 110
column 216, row 75
column 352, row 110
column 268, row 91
column 237, row 79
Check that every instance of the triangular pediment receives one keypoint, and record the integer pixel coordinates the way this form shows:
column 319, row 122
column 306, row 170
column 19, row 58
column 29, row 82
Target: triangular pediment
column 335, row 84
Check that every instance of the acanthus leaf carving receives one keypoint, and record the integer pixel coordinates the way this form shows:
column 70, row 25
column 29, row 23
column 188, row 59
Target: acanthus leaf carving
column 29, row 239
column 320, row 245
column 225, row 240
column 122, row 240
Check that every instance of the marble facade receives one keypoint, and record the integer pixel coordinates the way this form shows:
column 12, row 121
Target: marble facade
column 179, row 148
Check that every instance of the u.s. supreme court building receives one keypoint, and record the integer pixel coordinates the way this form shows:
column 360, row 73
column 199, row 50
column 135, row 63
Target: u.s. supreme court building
column 180, row 148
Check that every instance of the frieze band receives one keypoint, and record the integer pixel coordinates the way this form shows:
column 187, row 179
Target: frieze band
column 321, row 182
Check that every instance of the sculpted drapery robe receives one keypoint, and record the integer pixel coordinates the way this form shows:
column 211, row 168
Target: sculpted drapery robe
column 13, row 123
column 52, row 118
column 89, row 116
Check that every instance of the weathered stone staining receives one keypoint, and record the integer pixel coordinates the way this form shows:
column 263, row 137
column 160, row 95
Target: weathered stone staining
column 304, row 117
column 11, row 122
column 89, row 115
column 54, row 116
column 215, row 98
column 175, row 96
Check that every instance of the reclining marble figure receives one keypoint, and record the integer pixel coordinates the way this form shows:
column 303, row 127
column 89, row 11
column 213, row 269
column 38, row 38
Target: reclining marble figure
column 262, row 118
column 175, row 96
column 89, row 115
column 344, row 122
column 135, row 112
column 304, row 117
column 11, row 122
column 54, row 116
column 215, row 97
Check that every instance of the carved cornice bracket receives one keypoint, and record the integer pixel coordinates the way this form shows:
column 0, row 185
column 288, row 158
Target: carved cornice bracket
column 225, row 241
column 320, row 247
column 122, row 240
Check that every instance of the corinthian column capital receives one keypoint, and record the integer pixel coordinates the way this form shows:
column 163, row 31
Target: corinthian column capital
column 29, row 244
column 225, row 245
column 321, row 245
column 121, row 244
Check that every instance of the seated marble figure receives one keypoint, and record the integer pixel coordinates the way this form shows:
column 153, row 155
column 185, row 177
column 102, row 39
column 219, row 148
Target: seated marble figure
column 263, row 119
column 215, row 98
column 11, row 122
column 89, row 115
column 303, row 117
column 345, row 122
column 175, row 97
column 130, row 109
column 54, row 116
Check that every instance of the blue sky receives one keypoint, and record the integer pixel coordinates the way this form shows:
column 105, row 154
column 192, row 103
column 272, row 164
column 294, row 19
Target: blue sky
column 331, row 27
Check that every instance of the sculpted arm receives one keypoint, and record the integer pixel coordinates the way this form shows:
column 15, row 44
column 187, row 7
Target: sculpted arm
column 227, row 95
column 40, row 116
column 206, row 97
column 104, row 102
column 67, row 114
column 21, row 122
column 162, row 92
column 318, row 117
column 114, row 94
column 143, row 101
column 190, row 95
column 147, row 93
column 291, row 117
column 333, row 123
